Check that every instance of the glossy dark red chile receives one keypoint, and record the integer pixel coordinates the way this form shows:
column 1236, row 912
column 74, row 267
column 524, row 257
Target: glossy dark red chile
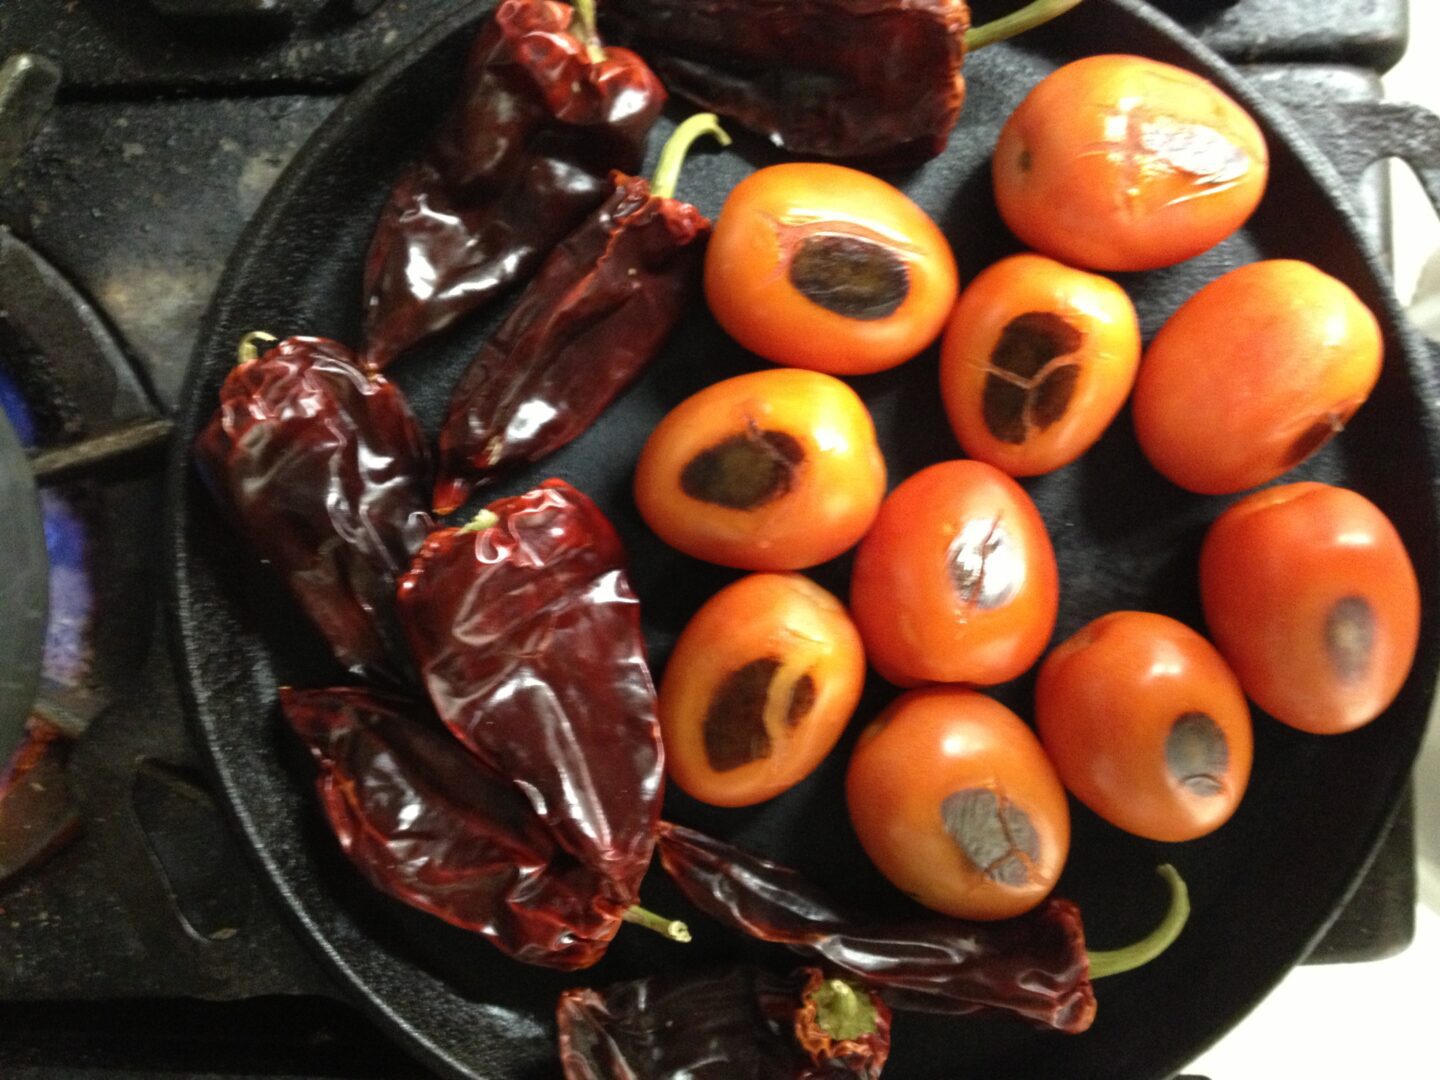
column 736, row 1022
column 323, row 469
column 590, row 322
column 425, row 822
column 523, row 157
column 527, row 636
column 1034, row 966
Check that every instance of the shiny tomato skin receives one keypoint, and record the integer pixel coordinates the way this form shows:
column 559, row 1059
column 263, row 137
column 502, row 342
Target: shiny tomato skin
column 750, row 268
column 1310, row 595
column 769, row 661
column 818, row 503
column 1015, row 314
column 947, row 782
column 1124, row 163
column 1253, row 374
column 1147, row 725
column 956, row 580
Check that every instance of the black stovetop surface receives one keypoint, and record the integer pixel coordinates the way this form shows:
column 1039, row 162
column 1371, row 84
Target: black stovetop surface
column 145, row 946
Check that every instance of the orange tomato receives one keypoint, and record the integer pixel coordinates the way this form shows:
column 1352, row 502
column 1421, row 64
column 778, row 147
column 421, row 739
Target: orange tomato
column 1309, row 593
column 956, row 581
column 1124, row 163
column 823, row 267
column 1253, row 374
column 1147, row 725
column 760, row 685
column 955, row 802
column 1036, row 361
column 775, row 470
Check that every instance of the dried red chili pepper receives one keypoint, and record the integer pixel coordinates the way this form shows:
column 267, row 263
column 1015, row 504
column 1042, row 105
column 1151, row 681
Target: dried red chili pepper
column 1034, row 966
column 544, row 114
column 594, row 317
column 877, row 80
column 740, row 1022
column 527, row 637
column 325, row 471
column 428, row 824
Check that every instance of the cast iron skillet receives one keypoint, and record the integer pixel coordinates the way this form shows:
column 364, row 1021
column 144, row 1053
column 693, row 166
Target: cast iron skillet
column 1264, row 887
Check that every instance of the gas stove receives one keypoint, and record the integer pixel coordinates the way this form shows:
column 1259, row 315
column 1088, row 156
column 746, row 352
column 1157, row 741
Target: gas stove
column 136, row 139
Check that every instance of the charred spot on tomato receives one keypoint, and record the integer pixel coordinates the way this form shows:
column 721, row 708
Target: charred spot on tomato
column 802, row 700
column 1025, row 389
column 1197, row 754
column 850, row 275
column 734, row 727
column 985, row 565
column 1024, row 161
column 1315, row 436
column 996, row 835
column 745, row 471
column 1350, row 637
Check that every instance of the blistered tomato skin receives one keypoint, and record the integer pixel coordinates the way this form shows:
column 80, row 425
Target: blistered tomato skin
column 1310, row 595
column 956, row 581
column 1036, row 361
column 1147, row 725
column 759, row 687
column 955, row 802
column 774, row 470
column 1125, row 163
column 823, row 267
column 1253, row 374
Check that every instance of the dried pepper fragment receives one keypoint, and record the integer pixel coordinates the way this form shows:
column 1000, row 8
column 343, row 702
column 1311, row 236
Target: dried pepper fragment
column 544, row 115
column 595, row 316
column 527, row 637
column 325, row 471
column 427, row 823
column 739, row 1022
column 1035, row 966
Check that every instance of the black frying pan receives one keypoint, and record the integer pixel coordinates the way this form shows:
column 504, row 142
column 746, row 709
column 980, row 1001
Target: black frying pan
column 1264, row 887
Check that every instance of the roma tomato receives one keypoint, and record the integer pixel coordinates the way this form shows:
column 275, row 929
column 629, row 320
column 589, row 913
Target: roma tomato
column 1309, row 593
column 1147, row 725
column 955, row 802
column 1124, row 163
column 761, row 683
column 1036, row 361
column 1253, row 374
column 823, row 267
column 956, row 581
column 775, row 470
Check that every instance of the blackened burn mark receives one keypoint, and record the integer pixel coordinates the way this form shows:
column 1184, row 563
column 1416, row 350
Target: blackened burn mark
column 996, row 835
column 1023, row 391
column 851, row 276
column 1350, row 637
column 734, row 726
column 1197, row 754
column 745, row 471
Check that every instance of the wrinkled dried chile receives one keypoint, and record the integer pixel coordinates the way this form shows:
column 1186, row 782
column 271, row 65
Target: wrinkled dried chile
column 740, row 1022
column 873, row 80
column 430, row 825
column 325, row 472
column 527, row 636
column 601, row 307
column 544, row 115
column 1034, row 966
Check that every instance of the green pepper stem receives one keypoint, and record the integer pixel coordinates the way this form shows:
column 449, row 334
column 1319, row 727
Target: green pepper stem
column 672, row 154
column 1116, row 961
column 1017, row 22
column 673, row 929
column 841, row 1012
column 585, row 16
column 248, row 352
column 480, row 522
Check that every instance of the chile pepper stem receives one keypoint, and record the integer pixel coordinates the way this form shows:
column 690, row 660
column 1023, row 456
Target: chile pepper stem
column 672, row 154
column 841, row 1012
column 480, row 522
column 248, row 352
column 1116, row 961
column 585, row 17
column 1017, row 22
column 673, row 929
